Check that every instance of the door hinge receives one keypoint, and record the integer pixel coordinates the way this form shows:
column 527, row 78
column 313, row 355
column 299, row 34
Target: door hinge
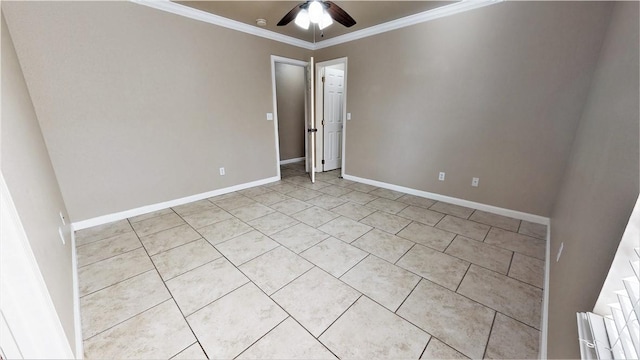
column 322, row 162
column 322, row 122
column 323, row 79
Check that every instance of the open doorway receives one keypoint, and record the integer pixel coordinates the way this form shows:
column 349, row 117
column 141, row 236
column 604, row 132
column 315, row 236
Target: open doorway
column 325, row 98
column 331, row 113
column 290, row 105
column 289, row 82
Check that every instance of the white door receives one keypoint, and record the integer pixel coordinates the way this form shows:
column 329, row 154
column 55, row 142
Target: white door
column 333, row 122
column 311, row 122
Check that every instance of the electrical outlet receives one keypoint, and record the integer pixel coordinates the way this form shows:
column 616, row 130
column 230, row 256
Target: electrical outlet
column 61, row 235
column 222, row 171
column 62, row 218
column 475, row 181
column 560, row 251
column 441, row 176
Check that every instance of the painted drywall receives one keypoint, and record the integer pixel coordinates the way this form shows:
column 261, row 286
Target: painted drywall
column 600, row 185
column 139, row 106
column 494, row 93
column 30, row 178
column 290, row 91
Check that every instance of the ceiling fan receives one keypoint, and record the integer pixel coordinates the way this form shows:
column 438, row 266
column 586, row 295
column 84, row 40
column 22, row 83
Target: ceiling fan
column 317, row 12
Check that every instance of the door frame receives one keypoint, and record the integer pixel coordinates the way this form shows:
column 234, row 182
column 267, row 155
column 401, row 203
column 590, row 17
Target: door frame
column 283, row 60
column 320, row 109
column 30, row 324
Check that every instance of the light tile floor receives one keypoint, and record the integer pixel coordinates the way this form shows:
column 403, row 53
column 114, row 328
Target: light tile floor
column 294, row 270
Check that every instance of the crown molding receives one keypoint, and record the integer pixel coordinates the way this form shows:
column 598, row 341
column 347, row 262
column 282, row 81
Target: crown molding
column 182, row 10
column 443, row 11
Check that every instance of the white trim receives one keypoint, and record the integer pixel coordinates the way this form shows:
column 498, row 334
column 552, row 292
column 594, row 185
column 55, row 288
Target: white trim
column 291, row 161
column 456, row 201
column 320, row 73
column 76, row 297
column 544, row 333
column 414, row 19
column 282, row 60
column 105, row 219
column 620, row 267
column 448, row 10
column 25, row 302
column 182, row 10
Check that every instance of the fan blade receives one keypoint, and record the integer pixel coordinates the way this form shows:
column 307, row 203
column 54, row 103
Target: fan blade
column 339, row 15
column 291, row 15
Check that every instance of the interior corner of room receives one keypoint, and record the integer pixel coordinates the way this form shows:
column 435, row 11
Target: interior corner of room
column 113, row 109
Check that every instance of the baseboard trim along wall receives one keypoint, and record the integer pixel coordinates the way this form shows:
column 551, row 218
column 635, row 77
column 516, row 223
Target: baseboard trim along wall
column 452, row 200
column 496, row 210
column 291, row 161
column 456, row 201
column 76, row 298
column 544, row 326
column 105, row 219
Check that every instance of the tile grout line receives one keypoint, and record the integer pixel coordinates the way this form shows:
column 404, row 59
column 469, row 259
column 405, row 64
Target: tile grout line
column 112, row 256
column 297, row 254
column 117, row 282
column 110, row 237
column 403, row 255
column 484, row 305
column 264, row 335
column 426, row 346
column 171, row 294
column 339, row 316
column 462, row 279
column 251, row 281
column 406, row 297
column 513, row 254
column 277, row 304
column 127, row 319
column 341, row 275
column 449, row 244
column 177, row 246
column 195, row 268
column 486, row 346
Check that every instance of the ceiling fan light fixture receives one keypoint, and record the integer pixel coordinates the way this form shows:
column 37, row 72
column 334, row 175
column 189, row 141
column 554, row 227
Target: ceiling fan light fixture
column 325, row 21
column 302, row 20
column 316, row 11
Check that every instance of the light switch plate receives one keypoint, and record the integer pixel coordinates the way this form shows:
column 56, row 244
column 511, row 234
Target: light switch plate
column 269, row 116
column 348, row 116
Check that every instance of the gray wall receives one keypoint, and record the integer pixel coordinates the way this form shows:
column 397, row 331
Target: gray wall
column 494, row 93
column 138, row 106
column 290, row 84
column 30, row 178
column 600, row 185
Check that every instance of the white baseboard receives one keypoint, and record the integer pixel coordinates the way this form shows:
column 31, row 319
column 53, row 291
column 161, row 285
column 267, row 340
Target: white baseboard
column 291, row 161
column 544, row 327
column 456, row 201
column 105, row 219
column 496, row 210
column 76, row 298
